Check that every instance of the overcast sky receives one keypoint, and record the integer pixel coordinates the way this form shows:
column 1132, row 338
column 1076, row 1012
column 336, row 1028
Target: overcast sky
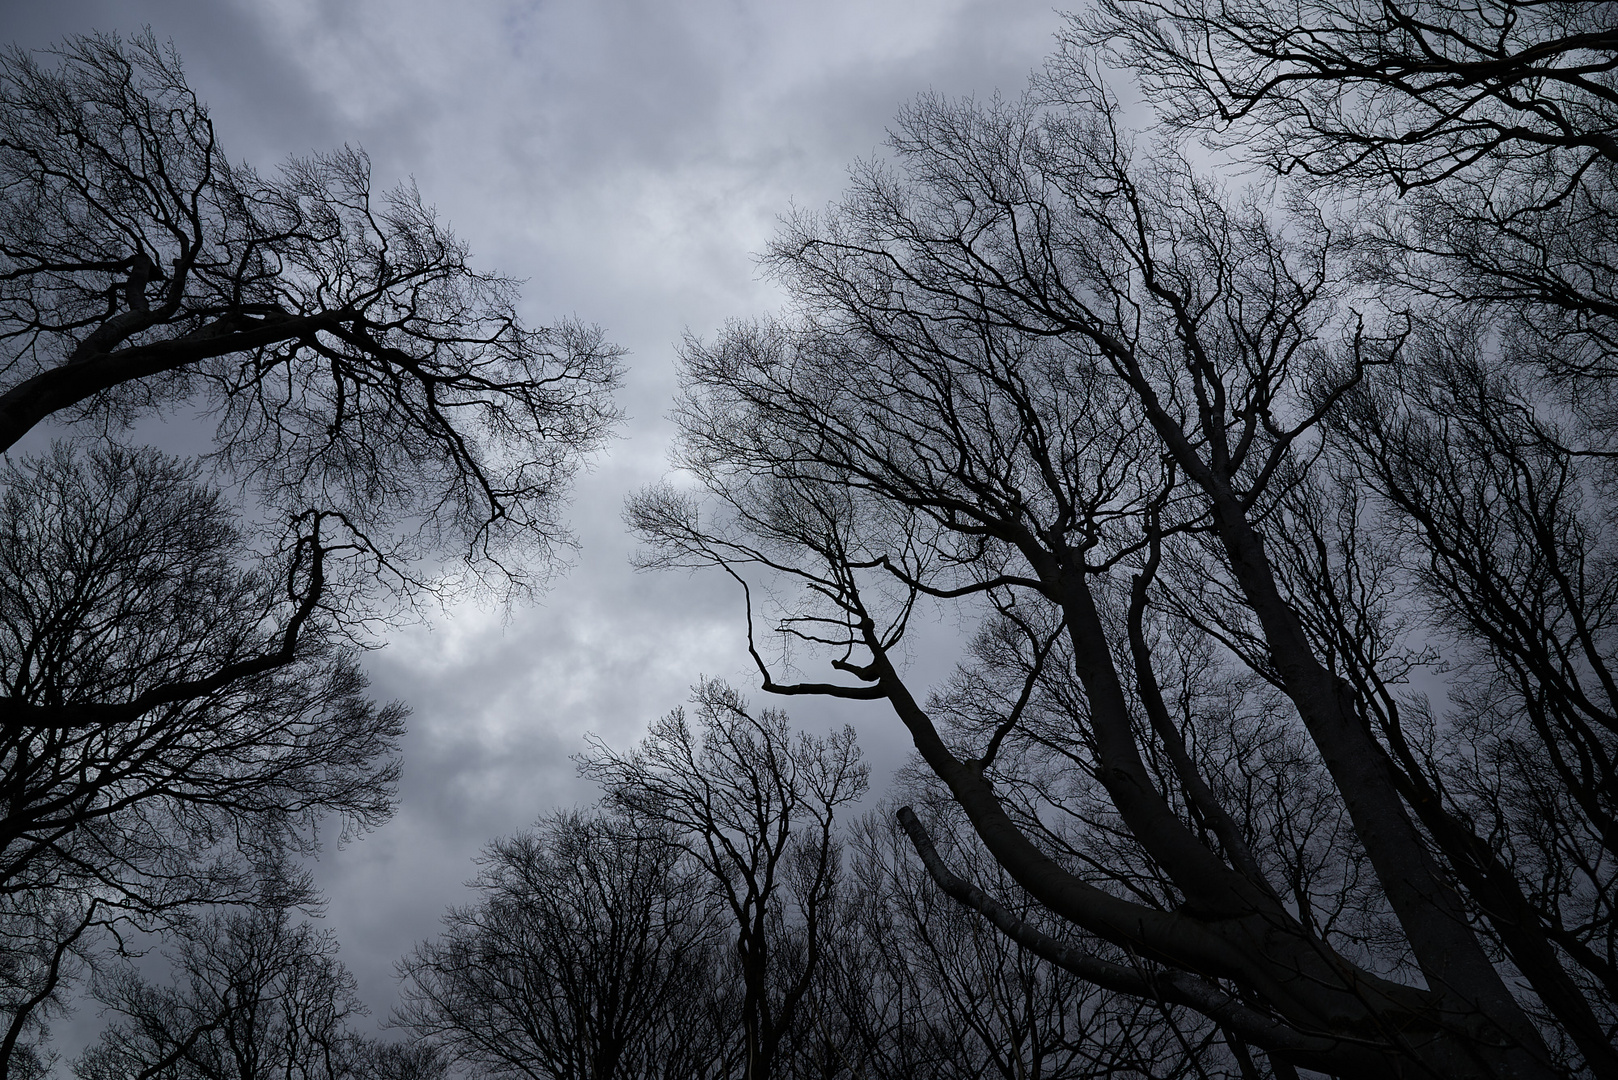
column 626, row 158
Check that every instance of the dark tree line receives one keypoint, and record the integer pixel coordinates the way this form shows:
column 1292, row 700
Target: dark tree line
column 180, row 701
column 1285, row 512
column 678, row 933
column 138, row 781
column 254, row 995
column 591, row 953
column 720, row 916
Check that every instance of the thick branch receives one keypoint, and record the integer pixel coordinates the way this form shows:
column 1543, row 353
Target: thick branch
column 61, row 387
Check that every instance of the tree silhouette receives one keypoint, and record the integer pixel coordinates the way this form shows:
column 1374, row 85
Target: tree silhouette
column 1218, row 505
column 254, row 996
column 593, row 953
column 176, row 714
column 179, row 702
column 755, row 804
column 356, row 362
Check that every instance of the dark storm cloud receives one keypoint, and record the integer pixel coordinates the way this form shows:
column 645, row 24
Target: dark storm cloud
column 626, row 158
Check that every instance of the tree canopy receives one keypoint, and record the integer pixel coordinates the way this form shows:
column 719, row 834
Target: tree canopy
column 180, row 703
column 1235, row 483
column 356, row 361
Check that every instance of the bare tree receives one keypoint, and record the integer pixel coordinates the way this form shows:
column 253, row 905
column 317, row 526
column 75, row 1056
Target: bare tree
column 1090, row 398
column 756, row 805
column 924, row 987
column 593, row 954
column 1469, row 477
column 1492, row 124
column 177, row 714
column 377, row 1060
column 254, row 996
column 355, row 360
column 1407, row 92
column 175, row 686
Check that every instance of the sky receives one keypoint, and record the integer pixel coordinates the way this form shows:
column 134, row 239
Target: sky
column 627, row 159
